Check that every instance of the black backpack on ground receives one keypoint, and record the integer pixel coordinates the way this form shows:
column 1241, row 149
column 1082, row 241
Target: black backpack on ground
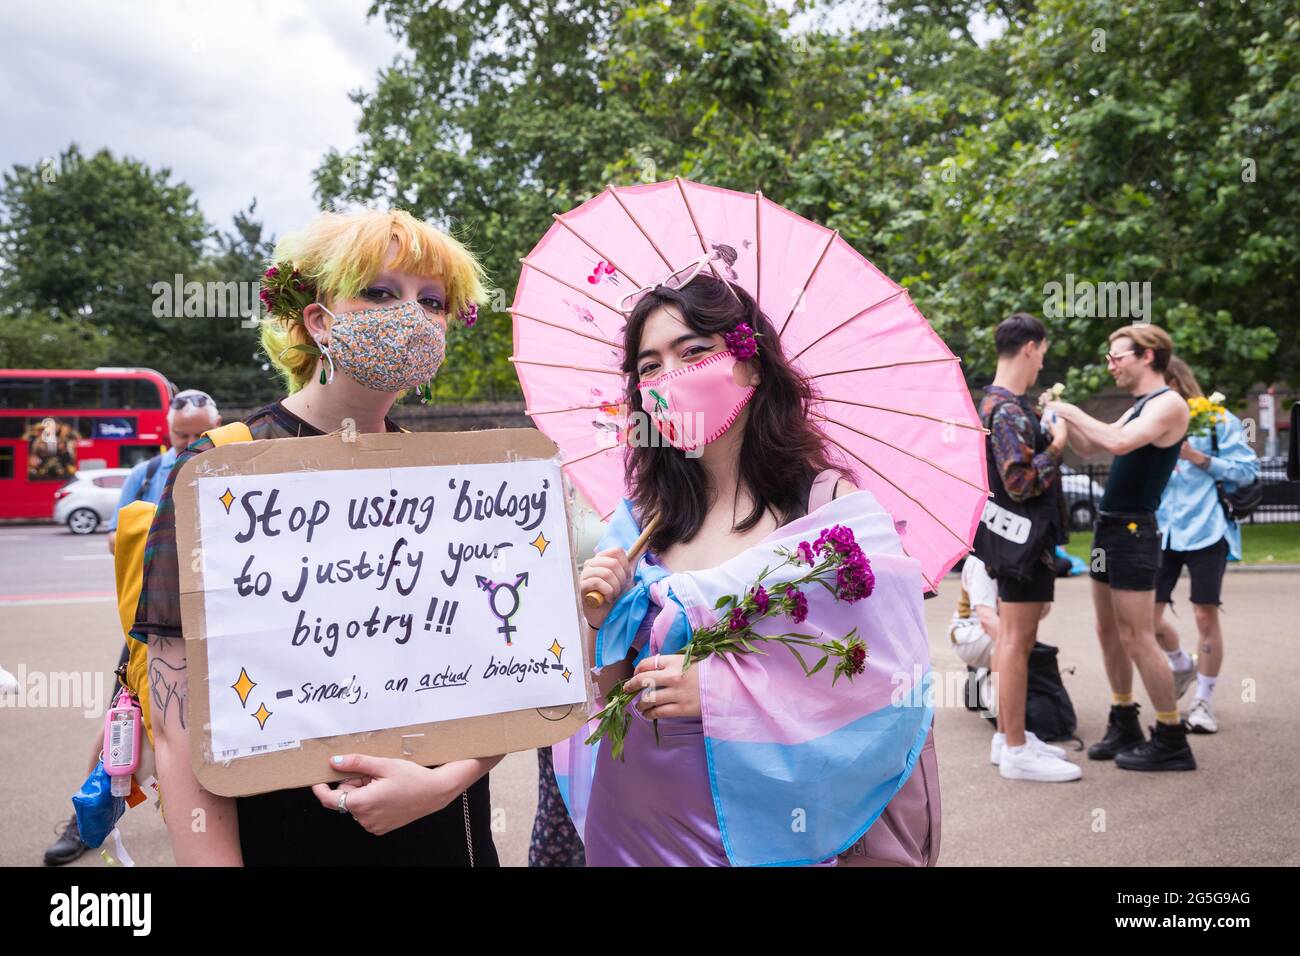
column 1048, row 710
column 1049, row 713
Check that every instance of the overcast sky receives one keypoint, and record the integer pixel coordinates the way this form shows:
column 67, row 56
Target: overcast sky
column 239, row 98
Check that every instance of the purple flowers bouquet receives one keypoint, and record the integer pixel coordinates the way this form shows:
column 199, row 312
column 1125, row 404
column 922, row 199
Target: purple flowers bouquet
column 833, row 561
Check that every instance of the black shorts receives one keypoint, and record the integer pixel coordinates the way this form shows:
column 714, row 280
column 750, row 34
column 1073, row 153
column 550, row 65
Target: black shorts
column 1125, row 551
column 1205, row 566
column 1040, row 588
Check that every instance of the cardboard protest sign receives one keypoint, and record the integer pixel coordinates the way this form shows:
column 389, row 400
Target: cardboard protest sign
column 391, row 594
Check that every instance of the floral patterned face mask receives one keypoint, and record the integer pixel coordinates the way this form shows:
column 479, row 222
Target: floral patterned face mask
column 388, row 349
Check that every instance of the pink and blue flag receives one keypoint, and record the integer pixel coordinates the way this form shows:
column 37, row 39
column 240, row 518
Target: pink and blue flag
column 799, row 769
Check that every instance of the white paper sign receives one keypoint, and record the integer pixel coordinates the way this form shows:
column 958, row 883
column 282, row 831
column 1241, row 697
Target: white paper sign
column 355, row 600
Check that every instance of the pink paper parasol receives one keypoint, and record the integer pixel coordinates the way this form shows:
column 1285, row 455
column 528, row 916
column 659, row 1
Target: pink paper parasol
column 892, row 399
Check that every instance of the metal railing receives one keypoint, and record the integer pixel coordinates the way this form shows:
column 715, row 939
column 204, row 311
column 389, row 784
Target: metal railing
column 1084, row 484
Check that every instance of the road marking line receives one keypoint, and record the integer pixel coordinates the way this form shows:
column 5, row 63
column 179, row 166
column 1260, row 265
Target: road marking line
column 72, row 597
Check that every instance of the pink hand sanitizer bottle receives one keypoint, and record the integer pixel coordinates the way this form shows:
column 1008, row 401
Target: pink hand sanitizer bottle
column 122, row 743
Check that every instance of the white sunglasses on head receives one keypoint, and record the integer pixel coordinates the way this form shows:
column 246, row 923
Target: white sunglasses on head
column 674, row 280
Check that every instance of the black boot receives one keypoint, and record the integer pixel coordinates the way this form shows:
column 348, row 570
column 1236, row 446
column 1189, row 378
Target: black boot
column 67, row 847
column 1122, row 732
column 1166, row 750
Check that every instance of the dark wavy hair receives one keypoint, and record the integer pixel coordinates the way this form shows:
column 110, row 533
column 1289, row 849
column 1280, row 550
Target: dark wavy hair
column 782, row 451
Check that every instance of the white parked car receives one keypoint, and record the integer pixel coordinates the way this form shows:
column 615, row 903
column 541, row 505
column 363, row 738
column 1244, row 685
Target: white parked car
column 89, row 499
column 1082, row 497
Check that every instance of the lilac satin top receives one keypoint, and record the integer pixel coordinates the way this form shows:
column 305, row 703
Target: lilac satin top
column 655, row 806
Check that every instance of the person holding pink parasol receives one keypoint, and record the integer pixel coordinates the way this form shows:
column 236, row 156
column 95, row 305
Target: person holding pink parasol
column 713, row 745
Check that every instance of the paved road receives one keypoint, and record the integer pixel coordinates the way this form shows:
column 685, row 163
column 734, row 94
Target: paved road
column 1238, row 809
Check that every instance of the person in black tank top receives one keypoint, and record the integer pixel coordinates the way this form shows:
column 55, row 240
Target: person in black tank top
column 1126, row 546
column 353, row 322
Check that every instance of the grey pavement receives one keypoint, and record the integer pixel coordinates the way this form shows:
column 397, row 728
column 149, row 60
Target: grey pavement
column 56, row 615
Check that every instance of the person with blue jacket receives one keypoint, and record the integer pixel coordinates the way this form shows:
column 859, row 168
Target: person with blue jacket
column 1197, row 532
column 191, row 413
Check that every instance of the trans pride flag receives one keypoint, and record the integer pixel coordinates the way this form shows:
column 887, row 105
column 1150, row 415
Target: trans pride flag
column 798, row 769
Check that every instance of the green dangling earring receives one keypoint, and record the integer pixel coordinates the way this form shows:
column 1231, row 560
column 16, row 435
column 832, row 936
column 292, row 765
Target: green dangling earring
column 322, row 373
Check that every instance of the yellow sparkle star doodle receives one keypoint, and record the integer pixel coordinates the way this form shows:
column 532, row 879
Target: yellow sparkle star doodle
column 244, row 686
column 557, row 649
column 567, row 674
column 261, row 714
column 540, row 544
column 227, row 499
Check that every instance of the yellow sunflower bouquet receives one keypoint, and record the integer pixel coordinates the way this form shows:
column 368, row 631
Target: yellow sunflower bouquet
column 1205, row 413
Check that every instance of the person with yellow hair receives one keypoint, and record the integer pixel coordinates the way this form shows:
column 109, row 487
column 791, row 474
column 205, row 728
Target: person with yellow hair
column 357, row 309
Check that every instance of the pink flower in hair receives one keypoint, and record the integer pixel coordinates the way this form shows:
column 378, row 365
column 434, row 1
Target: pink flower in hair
column 741, row 341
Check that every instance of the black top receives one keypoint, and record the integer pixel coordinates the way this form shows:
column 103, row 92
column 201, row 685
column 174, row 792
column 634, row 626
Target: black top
column 1137, row 478
column 291, row 827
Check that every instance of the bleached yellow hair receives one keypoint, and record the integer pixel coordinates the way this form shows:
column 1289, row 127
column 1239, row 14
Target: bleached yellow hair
column 341, row 253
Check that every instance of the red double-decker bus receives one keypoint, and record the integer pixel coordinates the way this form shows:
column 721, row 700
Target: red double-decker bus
column 54, row 422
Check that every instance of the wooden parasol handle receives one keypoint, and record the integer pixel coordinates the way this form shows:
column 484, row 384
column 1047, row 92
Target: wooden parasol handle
column 594, row 599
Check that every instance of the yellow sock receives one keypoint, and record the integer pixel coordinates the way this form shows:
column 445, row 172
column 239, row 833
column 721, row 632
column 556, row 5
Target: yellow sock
column 1167, row 717
column 1121, row 700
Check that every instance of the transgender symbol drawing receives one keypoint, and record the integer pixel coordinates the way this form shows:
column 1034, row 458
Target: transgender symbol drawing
column 494, row 588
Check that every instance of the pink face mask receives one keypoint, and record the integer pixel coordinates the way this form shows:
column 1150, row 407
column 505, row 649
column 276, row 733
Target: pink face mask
column 696, row 404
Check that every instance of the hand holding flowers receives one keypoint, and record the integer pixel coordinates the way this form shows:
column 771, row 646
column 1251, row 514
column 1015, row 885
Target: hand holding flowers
column 833, row 561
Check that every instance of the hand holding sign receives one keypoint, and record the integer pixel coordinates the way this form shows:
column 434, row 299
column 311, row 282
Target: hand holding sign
column 392, row 793
column 360, row 592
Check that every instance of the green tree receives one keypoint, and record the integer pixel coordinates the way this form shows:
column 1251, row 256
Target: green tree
column 222, row 353
column 83, row 239
column 1149, row 144
column 493, row 121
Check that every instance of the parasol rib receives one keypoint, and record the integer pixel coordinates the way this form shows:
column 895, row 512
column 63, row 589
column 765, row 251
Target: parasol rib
column 872, row 368
column 590, row 454
column 905, row 494
column 636, row 222
column 904, row 451
column 583, row 239
column 571, row 408
column 899, row 411
column 700, row 236
column 758, row 247
column 853, row 318
column 807, row 282
column 569, row 285
column 566, row 328
column 575, row 368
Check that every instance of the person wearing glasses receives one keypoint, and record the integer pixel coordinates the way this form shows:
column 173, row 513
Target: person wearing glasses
column 191, row 414
column 1126, row 545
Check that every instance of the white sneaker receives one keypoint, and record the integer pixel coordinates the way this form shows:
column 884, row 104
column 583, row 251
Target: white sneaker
column 1200, row 719
column 1183, row 679
column 1032, row 764
column 999, row 741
